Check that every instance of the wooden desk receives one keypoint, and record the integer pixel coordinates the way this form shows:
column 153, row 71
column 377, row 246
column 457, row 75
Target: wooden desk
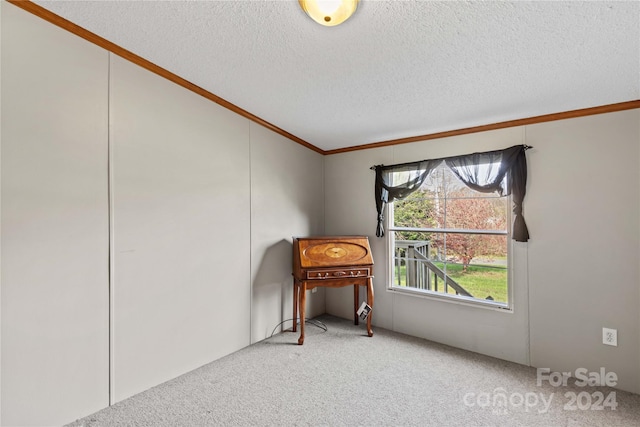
column 334, row 262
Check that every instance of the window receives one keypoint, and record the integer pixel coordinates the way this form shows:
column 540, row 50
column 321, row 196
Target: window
column 450, row 230
column 449, row 240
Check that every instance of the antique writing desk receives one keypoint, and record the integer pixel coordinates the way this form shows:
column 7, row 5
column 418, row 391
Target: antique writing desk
column 332, row 261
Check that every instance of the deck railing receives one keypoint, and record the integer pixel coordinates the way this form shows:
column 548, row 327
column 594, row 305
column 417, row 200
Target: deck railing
column 420, row 272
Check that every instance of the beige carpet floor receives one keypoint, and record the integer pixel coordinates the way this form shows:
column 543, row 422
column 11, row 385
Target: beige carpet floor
column 341, row 377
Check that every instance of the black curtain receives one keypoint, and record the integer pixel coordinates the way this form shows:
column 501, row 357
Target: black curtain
column 415, row 173
column 484, row 172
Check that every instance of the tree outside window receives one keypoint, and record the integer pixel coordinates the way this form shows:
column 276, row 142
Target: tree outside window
column 451, row 240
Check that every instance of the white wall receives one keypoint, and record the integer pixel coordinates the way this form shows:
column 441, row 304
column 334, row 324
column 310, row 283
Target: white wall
column 578, row 273
column 54, row 231
column 583, row 210
column 350, row 210
column 181, row 199
column 281, row 207
column 164, row 244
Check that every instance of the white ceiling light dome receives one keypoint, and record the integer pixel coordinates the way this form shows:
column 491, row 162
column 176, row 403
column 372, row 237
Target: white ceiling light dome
column 329, row 12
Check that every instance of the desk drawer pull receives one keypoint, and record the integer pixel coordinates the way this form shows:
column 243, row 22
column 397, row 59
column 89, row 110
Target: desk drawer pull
column 337, row 274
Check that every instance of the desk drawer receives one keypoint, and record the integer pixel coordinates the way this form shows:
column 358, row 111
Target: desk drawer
column 337, row 273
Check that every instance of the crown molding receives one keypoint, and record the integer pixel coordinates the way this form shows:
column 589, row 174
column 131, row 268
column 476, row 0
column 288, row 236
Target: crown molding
column 610, row 108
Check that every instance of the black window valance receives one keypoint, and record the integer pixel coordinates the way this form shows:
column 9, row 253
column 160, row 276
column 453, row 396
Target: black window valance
column 510, row 162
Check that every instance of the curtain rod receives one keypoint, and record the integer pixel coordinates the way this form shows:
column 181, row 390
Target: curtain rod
column 526, row 147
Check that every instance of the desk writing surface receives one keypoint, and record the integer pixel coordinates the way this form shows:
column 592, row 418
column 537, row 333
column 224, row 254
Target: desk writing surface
column 330, row 251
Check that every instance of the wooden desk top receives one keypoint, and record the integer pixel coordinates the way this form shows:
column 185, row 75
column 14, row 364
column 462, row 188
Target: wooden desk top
column 330, row 251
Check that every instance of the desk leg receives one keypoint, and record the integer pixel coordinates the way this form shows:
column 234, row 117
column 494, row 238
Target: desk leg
column 370, row 302
column 296, row 289
column 303, row 300
column 356, row 298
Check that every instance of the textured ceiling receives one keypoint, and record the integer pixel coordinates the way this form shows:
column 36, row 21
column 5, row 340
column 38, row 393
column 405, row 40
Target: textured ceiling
column 396, row 69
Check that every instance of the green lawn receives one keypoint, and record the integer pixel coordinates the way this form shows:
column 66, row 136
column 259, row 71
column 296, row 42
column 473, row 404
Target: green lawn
column 479, row 281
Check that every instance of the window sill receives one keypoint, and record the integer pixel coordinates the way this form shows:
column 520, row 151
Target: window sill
column 452, row 299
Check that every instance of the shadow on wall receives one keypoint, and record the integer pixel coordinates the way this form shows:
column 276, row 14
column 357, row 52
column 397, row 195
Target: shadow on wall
column 273, row 287
column 275, row 266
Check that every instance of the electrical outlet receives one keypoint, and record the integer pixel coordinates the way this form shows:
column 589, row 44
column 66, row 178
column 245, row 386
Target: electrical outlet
column 610, row 336
column 314, row 290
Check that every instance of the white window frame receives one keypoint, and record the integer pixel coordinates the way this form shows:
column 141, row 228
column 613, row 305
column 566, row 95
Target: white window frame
column 439, row 296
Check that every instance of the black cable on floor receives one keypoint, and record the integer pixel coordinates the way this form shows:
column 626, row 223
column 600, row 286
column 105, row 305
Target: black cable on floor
column 313, row 322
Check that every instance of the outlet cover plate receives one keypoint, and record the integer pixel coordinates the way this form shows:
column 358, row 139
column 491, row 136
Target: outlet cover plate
column 610, row 336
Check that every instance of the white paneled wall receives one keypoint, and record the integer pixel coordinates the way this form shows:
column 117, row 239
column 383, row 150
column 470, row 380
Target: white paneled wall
column 55, row 230
column 584, row 211
column 578, row 273
column 281, row 208
column 130, row 253
column 350, row 209
column 180, row 186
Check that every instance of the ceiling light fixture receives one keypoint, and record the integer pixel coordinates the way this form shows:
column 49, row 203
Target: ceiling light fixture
column 329, row 12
